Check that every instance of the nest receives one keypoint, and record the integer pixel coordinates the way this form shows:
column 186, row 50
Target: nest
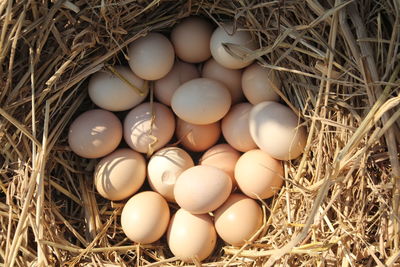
column 339, row 64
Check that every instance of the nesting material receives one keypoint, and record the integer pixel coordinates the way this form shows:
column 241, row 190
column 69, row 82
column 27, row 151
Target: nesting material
column 339, row 71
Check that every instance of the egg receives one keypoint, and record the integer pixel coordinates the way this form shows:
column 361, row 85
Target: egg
column 238, row 219
column 140, row 132
column 201, row 101
column 226, row 34
column 223, row 157
column 164, row 168
column 258, row 84
column 235, row 127
column 275, row 129
column 120, row 174
column 166, row 86
column 151, row 57
column 94, row 134
column 202, row 189
column 258, row 175
column 231, row 78
column 191, row 236
column 145, row 217
column 191, row 39
column 197, row 137
column 112, row 93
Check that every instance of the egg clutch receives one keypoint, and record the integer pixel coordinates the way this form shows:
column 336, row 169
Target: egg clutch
column 202, row 84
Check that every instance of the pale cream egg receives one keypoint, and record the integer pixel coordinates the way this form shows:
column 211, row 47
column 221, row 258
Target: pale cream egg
column 95, row 133
column 227, row 34
column 258, row 175
column 151, row 57
column 148, row 127
column 120, row 174
column 191, row 236
column 258, row 84
column 201, row 101
column 191, row 39
column 145, row 217
column 113, row 93
column 276, row 129
column 164, row 168
column 202, row 189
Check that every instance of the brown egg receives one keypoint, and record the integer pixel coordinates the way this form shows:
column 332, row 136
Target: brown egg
column 120, row 174
column 110, row 92
column 140, row 132
column 145, row 217
column 232, row 79
column 202, row 189
column 151, row 57
column 164, row 168
column 223, row 157
column 227, row 34
column 95, row 133
column 258, row 84
column 238, row 219
column 201, row 101
column 191, row 236
column 191, row 39
column 235, row 127
column 166, row 86
column 275, row 129
column 197, row 137
column 258, row 175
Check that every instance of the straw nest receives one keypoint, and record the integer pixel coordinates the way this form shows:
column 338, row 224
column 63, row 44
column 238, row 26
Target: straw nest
column 339, row 64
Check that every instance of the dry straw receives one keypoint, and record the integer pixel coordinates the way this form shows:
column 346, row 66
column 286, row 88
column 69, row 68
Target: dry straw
column 339, row 63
